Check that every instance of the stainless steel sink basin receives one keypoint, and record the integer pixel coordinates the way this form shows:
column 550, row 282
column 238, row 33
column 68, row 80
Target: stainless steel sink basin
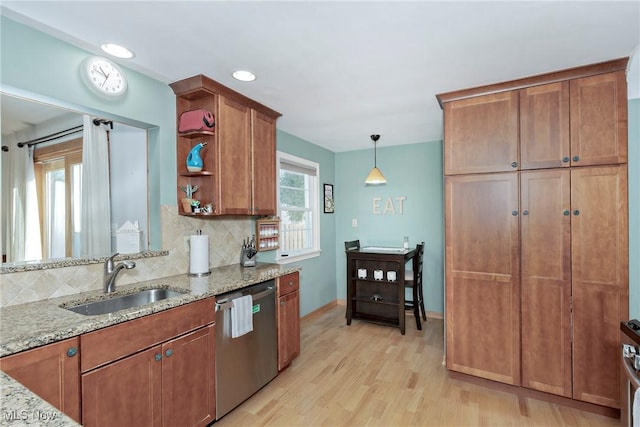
column 122, row 302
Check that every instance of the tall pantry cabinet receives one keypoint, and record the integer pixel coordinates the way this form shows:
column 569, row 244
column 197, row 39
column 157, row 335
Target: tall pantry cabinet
column 536, row 231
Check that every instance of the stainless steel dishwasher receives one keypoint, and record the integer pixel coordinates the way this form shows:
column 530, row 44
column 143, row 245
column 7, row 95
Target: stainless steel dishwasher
column 246, row 363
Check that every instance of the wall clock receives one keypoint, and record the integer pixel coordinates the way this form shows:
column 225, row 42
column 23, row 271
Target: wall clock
column 104, row 77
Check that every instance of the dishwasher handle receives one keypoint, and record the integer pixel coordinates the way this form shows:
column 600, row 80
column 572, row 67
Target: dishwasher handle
column 225, row 305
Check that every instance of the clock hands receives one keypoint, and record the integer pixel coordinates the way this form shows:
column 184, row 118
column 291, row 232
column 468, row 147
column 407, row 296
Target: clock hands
column 105, row 80
column 99, row 69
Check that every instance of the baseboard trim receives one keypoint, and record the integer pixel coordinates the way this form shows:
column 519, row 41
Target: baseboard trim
column 320, row 310
column 538, row 395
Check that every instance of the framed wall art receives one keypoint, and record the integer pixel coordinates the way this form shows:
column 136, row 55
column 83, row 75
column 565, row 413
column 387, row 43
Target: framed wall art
column 328, row 198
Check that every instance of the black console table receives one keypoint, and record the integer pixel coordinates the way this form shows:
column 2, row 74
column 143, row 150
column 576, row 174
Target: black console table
column 373, row 294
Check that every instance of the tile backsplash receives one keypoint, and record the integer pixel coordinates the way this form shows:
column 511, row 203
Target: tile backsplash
column 225, row 241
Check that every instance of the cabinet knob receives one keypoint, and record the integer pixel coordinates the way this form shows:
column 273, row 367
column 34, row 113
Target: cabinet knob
column 576, row 212
column 576, row 158
column 282, row 302
column 525, row 212
column 514, row 213
column 290, row 282
column 566, row 212
column 72, row 351
column 168, row 353
column 514, row 164
column 565, row 159
column 158, row 357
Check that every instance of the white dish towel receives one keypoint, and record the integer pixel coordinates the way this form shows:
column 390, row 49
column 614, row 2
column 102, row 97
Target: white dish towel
column 241, row 316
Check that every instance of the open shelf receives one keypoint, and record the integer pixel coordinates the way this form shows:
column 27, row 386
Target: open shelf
column 201, row 173
column 197, row 134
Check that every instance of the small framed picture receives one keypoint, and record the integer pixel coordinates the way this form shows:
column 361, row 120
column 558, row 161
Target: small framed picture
column 328, row 198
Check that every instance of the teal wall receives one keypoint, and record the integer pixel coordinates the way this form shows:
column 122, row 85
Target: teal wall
column 316, row 279
column 634, row 208
column 413, row 171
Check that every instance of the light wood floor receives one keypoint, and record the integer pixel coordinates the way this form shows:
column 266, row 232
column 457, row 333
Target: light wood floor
column 371, row 375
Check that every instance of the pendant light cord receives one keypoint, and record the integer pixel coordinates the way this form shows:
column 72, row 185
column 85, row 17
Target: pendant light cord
column 375, row 139
column 375, row 156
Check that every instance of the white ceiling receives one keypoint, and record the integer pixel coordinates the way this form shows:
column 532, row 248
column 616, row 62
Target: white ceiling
column 340, row 71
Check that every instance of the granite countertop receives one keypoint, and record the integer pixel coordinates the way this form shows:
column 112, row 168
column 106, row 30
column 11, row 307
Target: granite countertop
column 20, row 407
column 38, row 323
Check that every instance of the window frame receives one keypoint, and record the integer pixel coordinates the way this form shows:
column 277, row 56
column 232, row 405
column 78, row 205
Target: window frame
column 314, row 198
column 65, row 154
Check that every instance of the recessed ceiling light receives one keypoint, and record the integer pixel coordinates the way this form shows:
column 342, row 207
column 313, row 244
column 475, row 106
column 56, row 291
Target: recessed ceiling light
column 244, row 76
column 117, row 50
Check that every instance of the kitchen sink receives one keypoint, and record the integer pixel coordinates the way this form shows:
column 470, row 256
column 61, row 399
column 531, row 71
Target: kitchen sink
column 123, row 302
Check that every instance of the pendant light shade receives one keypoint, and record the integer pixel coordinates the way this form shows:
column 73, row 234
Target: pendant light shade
column 375, row 177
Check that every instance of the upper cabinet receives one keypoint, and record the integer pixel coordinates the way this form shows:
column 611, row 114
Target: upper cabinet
column 481, row 134
column 599, row 119
column 575, row 117
column 263, row 135
column 544, row 126
column 239, row 160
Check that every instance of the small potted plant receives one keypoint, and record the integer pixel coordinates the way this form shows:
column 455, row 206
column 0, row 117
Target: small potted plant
column 187, row 201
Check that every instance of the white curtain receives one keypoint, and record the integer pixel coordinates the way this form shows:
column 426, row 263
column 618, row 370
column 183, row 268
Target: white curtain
column 21, row 215
column 95, row 216
column 33, row 245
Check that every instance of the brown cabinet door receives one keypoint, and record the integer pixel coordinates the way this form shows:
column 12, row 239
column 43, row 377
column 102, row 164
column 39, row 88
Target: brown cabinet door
column 264, row 164
column 599, row 119
column 288, row 283
column 188, row 379
column 599, row 249
column 545, row 233
column 288, row 329
column 544, row 126
column 482, row 276
column 234, row 157
column 52, row 372
column 481, row 134
column 125, row 393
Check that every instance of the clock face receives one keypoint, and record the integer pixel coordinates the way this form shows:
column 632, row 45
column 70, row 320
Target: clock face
column 104, row 77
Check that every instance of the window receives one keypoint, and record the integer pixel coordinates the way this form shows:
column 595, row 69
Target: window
column 58, row 170
column 298, row 193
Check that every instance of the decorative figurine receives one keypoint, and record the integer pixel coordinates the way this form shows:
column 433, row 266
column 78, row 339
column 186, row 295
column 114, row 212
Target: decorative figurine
column 194, row 161
column 188, row 191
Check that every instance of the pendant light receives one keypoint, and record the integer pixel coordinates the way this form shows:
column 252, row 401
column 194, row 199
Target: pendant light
column 375, row 176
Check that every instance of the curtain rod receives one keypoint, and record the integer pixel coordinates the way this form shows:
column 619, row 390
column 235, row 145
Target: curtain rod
column 51, row 137
column 99, row 122
column 58, row 135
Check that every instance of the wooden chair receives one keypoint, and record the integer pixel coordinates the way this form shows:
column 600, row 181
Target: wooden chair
column 413, row 280
column 353, row 245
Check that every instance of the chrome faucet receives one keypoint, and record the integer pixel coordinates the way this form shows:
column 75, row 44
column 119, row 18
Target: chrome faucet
column 111, row 271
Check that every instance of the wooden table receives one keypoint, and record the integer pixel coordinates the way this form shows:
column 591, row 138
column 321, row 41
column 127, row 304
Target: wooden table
column 374, row 298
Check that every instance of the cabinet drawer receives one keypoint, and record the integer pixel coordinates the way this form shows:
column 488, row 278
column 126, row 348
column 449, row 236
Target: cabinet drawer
column 288, row 283
column 112, row 343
